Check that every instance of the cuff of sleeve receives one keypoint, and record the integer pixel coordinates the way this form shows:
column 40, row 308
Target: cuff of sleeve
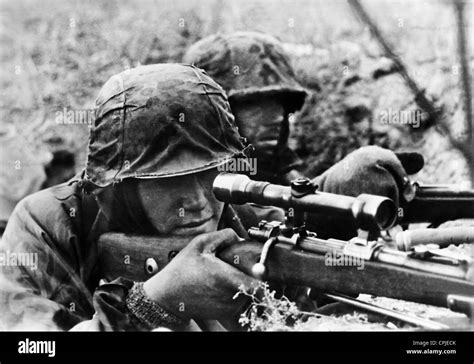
column 148, row 312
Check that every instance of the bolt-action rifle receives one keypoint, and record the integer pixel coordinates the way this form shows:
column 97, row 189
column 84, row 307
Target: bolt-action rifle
column 288, row 253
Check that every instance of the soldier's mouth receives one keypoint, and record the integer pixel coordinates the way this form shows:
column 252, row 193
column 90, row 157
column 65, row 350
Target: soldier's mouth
column 194, row 224
column 194, row 228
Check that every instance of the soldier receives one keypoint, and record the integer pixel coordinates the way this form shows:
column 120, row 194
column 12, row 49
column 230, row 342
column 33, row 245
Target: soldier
column 160, row 134
column 256, row 73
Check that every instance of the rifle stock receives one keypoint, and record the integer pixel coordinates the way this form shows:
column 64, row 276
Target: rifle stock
column 126, row 256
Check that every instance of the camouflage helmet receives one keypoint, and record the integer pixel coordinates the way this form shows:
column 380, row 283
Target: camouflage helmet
column 248, row 65
column 158, row 121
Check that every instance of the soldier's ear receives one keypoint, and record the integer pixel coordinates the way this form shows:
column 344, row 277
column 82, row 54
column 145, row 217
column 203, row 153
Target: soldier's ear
column 412, row 162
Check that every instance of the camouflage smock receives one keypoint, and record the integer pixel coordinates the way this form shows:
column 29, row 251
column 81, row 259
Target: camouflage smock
column 60, row 226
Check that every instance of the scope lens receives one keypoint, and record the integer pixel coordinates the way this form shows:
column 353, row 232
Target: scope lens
column 386, row 214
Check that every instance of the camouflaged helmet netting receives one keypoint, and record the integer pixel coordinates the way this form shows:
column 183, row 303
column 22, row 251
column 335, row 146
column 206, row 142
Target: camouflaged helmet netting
column 248, row 65
column 157, row 121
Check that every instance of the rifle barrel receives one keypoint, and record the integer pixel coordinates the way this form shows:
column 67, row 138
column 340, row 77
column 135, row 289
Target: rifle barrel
column 437, row 203
column 383, row 255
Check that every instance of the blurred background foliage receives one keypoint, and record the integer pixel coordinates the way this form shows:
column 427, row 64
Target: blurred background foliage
column 56, row 54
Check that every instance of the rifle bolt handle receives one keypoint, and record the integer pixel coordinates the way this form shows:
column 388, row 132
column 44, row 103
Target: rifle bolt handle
column 258, row 270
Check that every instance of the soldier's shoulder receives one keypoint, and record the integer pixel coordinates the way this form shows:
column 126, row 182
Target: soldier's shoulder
column 45, row 214
column 50, row 202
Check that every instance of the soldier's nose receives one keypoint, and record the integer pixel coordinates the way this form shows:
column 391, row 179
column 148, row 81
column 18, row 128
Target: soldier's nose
column 193, row 195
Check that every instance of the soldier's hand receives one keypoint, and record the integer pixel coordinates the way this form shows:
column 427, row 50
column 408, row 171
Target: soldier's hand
column 196, row 284
column 372, row 170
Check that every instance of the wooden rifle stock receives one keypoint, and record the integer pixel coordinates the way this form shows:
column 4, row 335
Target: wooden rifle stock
column 132, row 257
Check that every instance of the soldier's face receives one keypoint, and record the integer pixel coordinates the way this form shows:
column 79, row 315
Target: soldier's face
column 259, row 121
column 182, row 206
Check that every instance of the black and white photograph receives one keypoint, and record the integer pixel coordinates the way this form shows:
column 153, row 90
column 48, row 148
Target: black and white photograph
column 246, row 168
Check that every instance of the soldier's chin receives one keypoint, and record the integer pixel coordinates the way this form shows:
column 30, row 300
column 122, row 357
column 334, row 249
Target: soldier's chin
column 207, row 227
